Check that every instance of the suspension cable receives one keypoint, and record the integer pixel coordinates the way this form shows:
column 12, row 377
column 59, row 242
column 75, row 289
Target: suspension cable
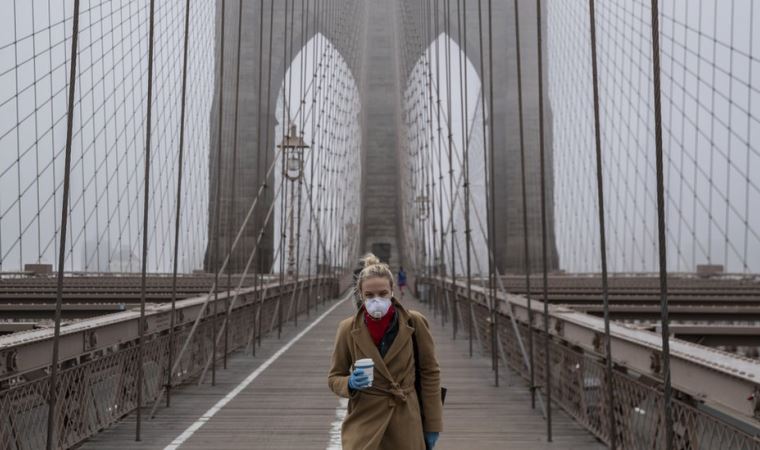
column 664, row 320
column 178, row 211
column 602, row 234
column 466, row 170
column 492, row 208
column 526, row 239
column 544, row 258
column 52, row 392
column 231, row 210
column 218, row 189
column 146, row 204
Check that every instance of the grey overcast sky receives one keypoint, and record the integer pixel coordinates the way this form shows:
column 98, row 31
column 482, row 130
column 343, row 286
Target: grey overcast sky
column 711, row 110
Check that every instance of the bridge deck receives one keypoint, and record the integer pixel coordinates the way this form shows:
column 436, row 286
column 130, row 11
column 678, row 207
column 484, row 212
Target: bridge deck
column 288, row 405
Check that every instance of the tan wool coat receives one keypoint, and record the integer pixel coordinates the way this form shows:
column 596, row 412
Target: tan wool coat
column 386, row 416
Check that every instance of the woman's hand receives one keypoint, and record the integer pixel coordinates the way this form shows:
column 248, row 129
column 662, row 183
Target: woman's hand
column 431, row 437
column 358, row 380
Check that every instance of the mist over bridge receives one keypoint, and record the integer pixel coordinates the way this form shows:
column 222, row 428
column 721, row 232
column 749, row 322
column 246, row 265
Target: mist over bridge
column 186, row 187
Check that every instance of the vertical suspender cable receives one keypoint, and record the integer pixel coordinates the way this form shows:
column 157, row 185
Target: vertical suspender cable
column 218, row 196
column 331, row 135
column 468, row 229
column 486, row 142
column 481, row 55
column 444, row 302
column 610, row 413
column 263, row 149
column 336, row 124
column 260, row 174
column 232, row 209
column 430, row 238
column 305, row 15
column 177, row 216
column 429, row 140
column 318, row 143
column 492, row 208
column 441, row 266
column 423, row 205
column 544, row 258
column 435, row 293
column 53, row 384
column 327, row 198
column 290, row 191
column 319, row 136
column 664, row 321
column 305, row 10
column 464, row 101
column 292, row 184
column 146, row 200
column 283, row 187
column 526, row 248
column 267, row 146
column 310, row 185
column 415, row 181
column 417, row 199
column 302, row 95
column 453, row 303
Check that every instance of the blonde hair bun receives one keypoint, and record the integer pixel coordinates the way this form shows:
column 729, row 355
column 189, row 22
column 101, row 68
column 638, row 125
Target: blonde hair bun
column 370, row 259
column 373, row 268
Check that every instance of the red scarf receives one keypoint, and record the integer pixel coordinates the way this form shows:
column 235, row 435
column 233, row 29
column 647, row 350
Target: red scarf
column 378, row 327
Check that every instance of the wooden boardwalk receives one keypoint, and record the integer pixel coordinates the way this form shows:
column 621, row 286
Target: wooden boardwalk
column 287, row 405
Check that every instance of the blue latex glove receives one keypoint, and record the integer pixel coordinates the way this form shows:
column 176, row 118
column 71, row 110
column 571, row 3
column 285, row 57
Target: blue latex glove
column 358, row 380
column 431, row 437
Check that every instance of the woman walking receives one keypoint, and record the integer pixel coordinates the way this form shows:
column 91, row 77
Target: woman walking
column 385, row 411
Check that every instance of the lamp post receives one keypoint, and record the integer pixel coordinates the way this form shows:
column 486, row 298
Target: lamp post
column 423, row 207
column 423, row 213
column 293, row 147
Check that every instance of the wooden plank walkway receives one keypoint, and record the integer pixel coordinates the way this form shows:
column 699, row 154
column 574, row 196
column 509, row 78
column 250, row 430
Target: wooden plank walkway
column 288, row 405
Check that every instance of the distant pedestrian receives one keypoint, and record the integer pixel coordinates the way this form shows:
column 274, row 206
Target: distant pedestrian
column 389, row 347
column 401, row 281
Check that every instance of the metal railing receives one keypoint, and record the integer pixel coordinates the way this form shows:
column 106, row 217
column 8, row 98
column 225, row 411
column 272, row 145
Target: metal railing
column 97, row 387
column 578, row 383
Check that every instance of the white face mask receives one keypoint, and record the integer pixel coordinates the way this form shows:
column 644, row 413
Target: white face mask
column 377, row 307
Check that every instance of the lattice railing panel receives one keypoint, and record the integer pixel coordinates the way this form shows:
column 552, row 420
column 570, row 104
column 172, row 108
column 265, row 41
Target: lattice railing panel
column 579, row 382
column 95, row 394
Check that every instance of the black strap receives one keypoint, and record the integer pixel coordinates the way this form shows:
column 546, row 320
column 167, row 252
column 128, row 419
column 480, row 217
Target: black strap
column 417, row 377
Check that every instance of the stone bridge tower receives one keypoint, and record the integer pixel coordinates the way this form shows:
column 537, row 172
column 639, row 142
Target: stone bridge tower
column 377, row 71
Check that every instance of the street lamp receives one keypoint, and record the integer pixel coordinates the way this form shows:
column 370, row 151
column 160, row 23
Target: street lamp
column 293, row 147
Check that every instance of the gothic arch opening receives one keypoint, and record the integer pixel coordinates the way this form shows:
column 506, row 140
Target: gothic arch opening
column 445, row 148
column 317, row 173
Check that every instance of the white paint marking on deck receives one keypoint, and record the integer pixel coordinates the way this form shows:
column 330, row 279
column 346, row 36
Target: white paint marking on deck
column 340, row 414
column 176, row 443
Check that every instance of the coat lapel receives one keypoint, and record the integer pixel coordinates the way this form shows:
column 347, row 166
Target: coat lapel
column 404, row 332
column 363, row 340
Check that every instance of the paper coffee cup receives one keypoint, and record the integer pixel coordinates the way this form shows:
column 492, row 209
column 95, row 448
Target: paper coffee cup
column 367, row 366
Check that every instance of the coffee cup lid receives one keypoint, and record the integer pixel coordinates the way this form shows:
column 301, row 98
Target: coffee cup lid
column 366, row 362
